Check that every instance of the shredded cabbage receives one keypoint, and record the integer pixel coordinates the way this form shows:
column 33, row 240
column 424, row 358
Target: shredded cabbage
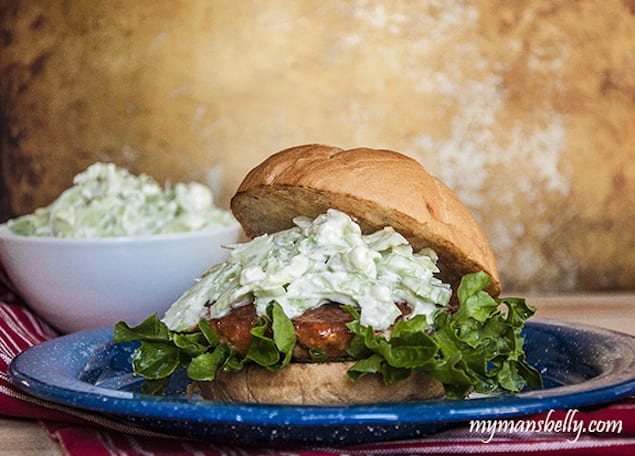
column 317, row 261
column 108, row 201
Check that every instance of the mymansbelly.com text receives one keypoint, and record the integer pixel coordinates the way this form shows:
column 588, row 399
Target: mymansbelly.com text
column 570, row 425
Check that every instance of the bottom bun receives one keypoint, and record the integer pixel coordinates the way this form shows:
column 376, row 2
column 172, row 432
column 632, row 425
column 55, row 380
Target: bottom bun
column 314, row 384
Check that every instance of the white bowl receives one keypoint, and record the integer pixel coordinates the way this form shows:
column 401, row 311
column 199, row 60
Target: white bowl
column 78, row 284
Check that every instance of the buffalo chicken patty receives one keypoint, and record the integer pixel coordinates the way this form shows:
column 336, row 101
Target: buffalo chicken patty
column 320, row 332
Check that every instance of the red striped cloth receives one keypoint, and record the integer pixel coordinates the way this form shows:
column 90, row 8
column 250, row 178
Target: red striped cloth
column 81, row 433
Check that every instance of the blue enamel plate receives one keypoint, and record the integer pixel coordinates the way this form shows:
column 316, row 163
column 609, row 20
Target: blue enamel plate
column 580, row 365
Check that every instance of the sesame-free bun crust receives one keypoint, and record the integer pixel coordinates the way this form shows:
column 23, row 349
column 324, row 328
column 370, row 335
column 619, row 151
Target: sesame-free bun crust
column 313, row 384
column 377, row 188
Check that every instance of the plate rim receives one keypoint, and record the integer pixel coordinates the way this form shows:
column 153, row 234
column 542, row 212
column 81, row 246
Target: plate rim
column 114, row 403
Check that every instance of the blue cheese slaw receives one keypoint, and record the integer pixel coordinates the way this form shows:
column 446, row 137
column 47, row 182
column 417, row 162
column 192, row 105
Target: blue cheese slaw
column 317, row 261
column 109, row 201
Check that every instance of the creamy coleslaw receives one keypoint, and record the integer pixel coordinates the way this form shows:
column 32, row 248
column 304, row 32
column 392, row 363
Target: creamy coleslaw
column 109, row 201
column 317, row 261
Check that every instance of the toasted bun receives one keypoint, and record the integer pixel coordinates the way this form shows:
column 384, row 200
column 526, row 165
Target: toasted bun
column 313, row 384
column 377, row 188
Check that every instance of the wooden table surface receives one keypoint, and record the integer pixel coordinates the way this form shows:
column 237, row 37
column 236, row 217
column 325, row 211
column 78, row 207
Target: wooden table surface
column 612, row 311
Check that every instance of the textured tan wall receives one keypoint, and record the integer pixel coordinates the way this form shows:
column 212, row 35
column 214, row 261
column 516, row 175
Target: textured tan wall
column 526, row 109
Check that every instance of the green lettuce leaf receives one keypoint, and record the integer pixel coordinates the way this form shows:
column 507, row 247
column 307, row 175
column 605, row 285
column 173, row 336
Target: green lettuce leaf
column 151, row 329
column 205, row 366
column 202, row 354
column 479, row 347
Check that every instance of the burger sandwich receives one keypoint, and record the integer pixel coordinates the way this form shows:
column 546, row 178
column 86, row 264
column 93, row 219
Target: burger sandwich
column 365, row 280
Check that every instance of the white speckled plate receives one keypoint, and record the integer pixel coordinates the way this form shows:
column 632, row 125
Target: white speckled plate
column 581, row 366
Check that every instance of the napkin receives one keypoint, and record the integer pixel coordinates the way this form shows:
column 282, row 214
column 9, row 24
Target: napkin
column 81, row 433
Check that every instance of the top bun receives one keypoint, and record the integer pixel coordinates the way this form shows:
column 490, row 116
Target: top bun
column 377, row 188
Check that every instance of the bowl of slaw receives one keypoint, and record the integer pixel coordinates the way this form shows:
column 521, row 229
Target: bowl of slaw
column 113, row 247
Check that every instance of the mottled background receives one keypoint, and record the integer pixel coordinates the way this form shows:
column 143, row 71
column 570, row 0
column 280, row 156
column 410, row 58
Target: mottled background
column 525, row 108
